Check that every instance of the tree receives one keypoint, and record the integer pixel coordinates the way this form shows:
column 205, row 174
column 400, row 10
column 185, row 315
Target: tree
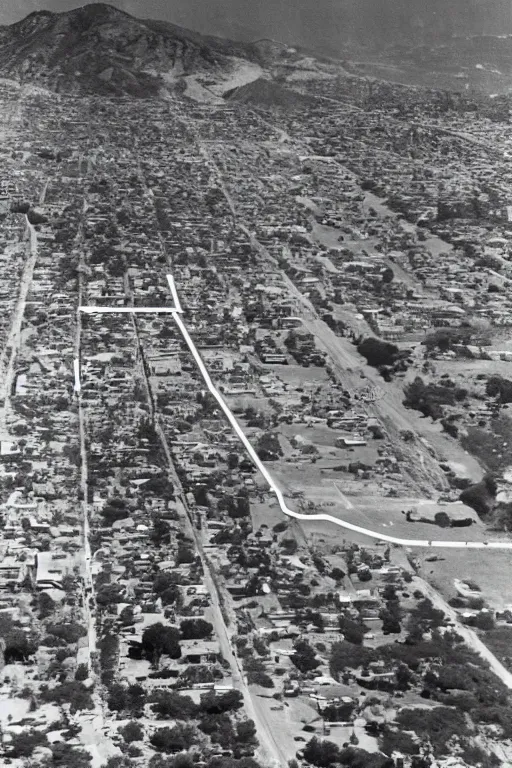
column 390, row 617
column 110, row 594
column 19, row 645
column 423, row 618
column 268, row 447
column 353, row 631
column 23, row 744
column 232, row 460
column 481, row 496
column 161, row 532
column 73, row 693
column 165, row 586
column 46, row 606
column 499, row 387
column 404, row 676
column 71, row 632
column 195, row 629
column 349, row 656
column 176, row 739
column 159, row 640
column 321, row 753
column 214, row 704
column 67, row 756
column 131, row 732
column 82, row 672
column 169, row 704
column 246, row 732
column 378, row 352
column 131, row 698
column 304, row 656
column 115, row 509
column 184, row 555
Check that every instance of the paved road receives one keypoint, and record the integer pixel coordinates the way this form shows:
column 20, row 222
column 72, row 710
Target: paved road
column 12, row 344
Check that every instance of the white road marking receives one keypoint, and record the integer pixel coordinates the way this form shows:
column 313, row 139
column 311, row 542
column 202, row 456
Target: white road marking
column 174, row 293
column 76, row 368
column 91, row 310
column 421, row 543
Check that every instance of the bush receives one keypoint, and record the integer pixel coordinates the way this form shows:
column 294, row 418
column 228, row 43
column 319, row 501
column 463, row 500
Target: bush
column 23, row 744
column 73, row 693
column 481, row 496
column 82, row 672
column 184, row 555
column 429, row 399
column 168, row 704
column 176, row 739
column 246, row 732
column 109, row 594
column 499, row 387
column 131, row 698
column 131, row 732
column 346, row 656
column 258, row 677
column 195, row 629
column 216, row 704
column 439, row 725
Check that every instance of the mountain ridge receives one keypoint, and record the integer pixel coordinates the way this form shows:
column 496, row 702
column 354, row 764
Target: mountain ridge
column 100, row 49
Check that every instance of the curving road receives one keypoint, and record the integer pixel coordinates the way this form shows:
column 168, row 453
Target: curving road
column 420, row 543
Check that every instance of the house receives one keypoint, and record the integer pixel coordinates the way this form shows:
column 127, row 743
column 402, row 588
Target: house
column 200, row 651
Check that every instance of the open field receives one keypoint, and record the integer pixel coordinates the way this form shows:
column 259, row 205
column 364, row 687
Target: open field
column 492, row 571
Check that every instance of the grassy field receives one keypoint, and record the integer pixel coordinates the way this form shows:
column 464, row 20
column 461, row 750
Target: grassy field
column 491, row 570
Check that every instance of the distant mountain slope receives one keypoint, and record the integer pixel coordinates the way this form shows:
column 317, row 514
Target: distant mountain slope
column 100, row 49
column 266, row 93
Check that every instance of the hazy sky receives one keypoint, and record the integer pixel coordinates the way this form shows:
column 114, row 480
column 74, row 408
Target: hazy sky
column 240, row 19
column 197, row 13
column 319, row 24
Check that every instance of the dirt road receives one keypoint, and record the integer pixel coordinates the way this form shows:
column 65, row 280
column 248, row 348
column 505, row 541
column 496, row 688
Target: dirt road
column 470, row 637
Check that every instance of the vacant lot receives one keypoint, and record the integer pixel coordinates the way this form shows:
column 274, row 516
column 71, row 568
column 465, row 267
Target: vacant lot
column 491, row 570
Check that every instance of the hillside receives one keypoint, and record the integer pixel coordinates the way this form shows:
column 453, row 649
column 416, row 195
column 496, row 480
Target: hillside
column 266, row 93
column 100, row 49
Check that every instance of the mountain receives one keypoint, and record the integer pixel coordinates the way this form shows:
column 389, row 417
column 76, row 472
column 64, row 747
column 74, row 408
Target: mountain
column 100, row 49
column 265, row 93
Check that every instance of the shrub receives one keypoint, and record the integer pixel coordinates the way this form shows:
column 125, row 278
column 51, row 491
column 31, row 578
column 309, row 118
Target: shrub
column 23, row 744
column 82, row 672
column 195, row 629
column 131, row 732
column 214, row 704
column 73, row 693
column 176, row 739
column 168, row 704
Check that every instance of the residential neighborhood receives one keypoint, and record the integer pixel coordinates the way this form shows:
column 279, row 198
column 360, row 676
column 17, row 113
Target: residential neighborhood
column 255, row 461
